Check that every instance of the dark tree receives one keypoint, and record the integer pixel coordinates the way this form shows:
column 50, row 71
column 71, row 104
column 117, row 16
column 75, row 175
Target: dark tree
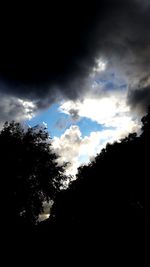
column 112, row 193
column 30, row 174
column 146, row 125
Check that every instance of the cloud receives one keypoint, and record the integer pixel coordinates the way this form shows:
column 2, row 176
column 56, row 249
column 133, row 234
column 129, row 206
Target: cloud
column 12, row 108
column 100, row 66
column 46, row 211
column 74, row 113
column 77, row 149
column 139, row 95
column 67, row 146
column 57, row 48
column 109, row 110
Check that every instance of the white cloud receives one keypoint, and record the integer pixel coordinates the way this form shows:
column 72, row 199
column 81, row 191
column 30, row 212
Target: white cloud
column 110, row 111
column 100, row 66
column 29, row 108
column 68, row 147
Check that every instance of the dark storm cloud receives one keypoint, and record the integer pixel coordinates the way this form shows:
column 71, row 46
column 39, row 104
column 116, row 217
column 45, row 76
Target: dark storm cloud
column 45, row 48
column 46, row 53
column 139, row 96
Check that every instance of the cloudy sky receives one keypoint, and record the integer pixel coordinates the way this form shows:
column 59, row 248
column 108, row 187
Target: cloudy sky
column 82, row 70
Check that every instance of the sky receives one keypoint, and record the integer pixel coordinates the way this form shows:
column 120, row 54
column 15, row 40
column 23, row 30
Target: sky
column 81, row 70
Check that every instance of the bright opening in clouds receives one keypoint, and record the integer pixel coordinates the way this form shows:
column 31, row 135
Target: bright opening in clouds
column 100, row 66
column 111, row 112
column 103, row 109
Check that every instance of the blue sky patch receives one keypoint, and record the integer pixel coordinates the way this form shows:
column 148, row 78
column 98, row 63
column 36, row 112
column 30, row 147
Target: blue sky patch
column 57, row 122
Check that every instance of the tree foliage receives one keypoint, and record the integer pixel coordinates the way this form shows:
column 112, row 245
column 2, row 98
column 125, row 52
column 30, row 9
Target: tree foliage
column 30, row 173
column 112, row 191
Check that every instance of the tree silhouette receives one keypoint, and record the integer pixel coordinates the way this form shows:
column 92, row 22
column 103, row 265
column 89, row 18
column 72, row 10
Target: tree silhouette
column 146, row 125
column 112, row 192
column 30, row 174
